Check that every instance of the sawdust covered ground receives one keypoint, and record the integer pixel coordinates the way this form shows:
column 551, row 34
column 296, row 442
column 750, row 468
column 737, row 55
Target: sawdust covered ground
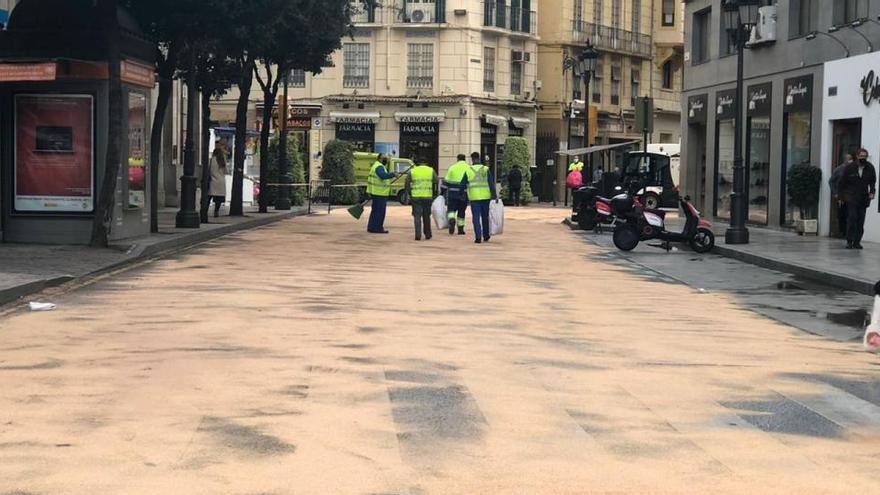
column 310, row 357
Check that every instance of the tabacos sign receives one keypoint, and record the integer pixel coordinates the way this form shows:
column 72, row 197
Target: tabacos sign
column 870, row 88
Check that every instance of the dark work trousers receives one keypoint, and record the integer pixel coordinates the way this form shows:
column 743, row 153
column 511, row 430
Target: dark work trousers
column 421, row 210
column 855, row 223
column 514, row 196
column 480, row 213
column 456, row 207
column 377, row 214
column 841, row 218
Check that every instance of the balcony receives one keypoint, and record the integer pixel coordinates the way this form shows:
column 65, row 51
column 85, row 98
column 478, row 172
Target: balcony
column 513, row 19
column 419, row 82
column 607, row 38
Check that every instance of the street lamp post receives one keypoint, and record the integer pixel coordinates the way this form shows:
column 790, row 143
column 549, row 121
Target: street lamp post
column 741, row 16
column 583, row 66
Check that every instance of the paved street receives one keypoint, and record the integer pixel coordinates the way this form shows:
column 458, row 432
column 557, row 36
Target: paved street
column 308, row 357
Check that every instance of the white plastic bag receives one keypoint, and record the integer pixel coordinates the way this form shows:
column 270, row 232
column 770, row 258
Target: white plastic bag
column 872, row 333
column 438, row 211
column 42, row 306
column 496, row 217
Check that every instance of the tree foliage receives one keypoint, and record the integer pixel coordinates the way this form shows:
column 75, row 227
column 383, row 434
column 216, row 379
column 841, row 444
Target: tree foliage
column 338, row 168
column 804, row 184
column 296, row 169
column 516, row 152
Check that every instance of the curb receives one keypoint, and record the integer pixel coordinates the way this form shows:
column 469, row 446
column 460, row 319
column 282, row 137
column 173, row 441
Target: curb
column 827, row 278
column 141, row 253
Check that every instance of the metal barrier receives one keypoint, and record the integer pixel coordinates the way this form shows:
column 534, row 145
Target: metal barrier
column 317, row 191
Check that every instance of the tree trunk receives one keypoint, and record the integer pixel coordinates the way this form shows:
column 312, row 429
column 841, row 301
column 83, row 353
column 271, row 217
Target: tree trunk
column 268, row 106
column 106, row 199
column 236, row 208
column 162, row 102
column 206, row 158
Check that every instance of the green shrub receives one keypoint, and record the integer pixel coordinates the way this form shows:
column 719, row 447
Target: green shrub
column 338, row 168
column 516, row 152
column 804, row 183
column 295, row 169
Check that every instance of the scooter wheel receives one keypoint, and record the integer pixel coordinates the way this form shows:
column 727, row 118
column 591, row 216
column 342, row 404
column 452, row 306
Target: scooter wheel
column 587, row 219
column 626, row 237
column 703, row 241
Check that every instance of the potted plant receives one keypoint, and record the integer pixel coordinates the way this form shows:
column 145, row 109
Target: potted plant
column 804, row 183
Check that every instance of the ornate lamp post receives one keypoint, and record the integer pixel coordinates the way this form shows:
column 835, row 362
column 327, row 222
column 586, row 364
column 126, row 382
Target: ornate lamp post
column 584, row 66
column 741, row 16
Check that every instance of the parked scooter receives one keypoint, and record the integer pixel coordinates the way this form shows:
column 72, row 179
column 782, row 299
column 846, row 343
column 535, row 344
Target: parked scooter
column 592, row 211
column 636, row 224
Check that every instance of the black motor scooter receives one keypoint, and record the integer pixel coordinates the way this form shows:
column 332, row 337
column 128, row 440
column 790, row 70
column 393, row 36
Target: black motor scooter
column 636, row 224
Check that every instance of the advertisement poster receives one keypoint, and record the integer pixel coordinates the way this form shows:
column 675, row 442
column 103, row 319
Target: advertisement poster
column 137, row 150
column 54, row 157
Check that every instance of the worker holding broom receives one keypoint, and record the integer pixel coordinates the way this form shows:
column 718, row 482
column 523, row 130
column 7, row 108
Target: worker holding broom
column 456, row 194
column 379, row 188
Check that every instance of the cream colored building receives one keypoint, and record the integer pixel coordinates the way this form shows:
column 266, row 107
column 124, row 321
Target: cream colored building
column 641, row 45
column 424, row 79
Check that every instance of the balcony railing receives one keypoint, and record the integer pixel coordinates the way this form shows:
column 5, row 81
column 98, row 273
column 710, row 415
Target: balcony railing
column 356, row 81
column 511, row 18
column 419, row 82
column 612, row 39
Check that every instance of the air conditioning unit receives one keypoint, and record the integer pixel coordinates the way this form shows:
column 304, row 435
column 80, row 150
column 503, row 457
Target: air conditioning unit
column 420, row 12
column 521, row 57
column 764, row 30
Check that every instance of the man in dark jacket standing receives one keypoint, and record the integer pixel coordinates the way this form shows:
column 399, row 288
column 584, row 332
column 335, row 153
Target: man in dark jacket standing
column 514, row 185
column 857, row 187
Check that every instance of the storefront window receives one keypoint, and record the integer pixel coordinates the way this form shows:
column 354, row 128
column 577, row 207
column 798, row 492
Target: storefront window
column 137, row 152
column 797, row 135
column 361, row 135
column 797, row 150
column 759, row 168
column 724, row 168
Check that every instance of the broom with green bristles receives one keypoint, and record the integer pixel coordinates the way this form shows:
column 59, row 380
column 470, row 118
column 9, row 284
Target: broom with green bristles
column 357, row 210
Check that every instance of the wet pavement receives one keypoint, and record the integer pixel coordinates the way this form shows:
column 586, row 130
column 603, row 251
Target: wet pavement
column 810, row 306
column 310, row 357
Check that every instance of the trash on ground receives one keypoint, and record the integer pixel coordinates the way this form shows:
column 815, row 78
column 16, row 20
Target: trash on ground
column 42, row 306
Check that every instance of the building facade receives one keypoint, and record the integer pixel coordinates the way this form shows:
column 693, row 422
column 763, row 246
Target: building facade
column 640, row 43
column 425, row 80
column 799, row 108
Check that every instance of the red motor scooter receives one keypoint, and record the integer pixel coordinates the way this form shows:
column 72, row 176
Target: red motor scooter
column 636, row 224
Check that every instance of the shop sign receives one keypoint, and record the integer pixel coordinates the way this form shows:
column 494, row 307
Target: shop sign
column 137, row 74
column 354, row 128
column 760, row 99
column 870, row 88
column 412, row 129
column 54, row 154
column 28, row 72
column 488, row 130
column 310, row 112
column 697, row 109
column 724, row 104
column 420, row 118
column 514, row 131
column 299, row 123
column 799, row 94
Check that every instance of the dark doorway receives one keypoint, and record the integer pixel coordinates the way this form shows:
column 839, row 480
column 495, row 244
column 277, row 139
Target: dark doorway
column 546, row 149
column 697, row 162
column 420, row 142
column 488, row 141
column 846, row 138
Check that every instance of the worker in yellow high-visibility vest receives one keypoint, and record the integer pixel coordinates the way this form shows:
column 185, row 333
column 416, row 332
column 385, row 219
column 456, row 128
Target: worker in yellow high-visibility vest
column 481, row 190
column 421, row 187
column 379, row 188
column 576, row 165
column 455, row 184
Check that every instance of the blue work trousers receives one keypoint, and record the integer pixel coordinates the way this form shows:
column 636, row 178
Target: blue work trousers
column 377, row 214
column 480, row 213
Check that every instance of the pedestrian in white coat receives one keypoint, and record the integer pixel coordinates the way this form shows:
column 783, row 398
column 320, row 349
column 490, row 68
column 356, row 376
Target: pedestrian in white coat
column 218, row 172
